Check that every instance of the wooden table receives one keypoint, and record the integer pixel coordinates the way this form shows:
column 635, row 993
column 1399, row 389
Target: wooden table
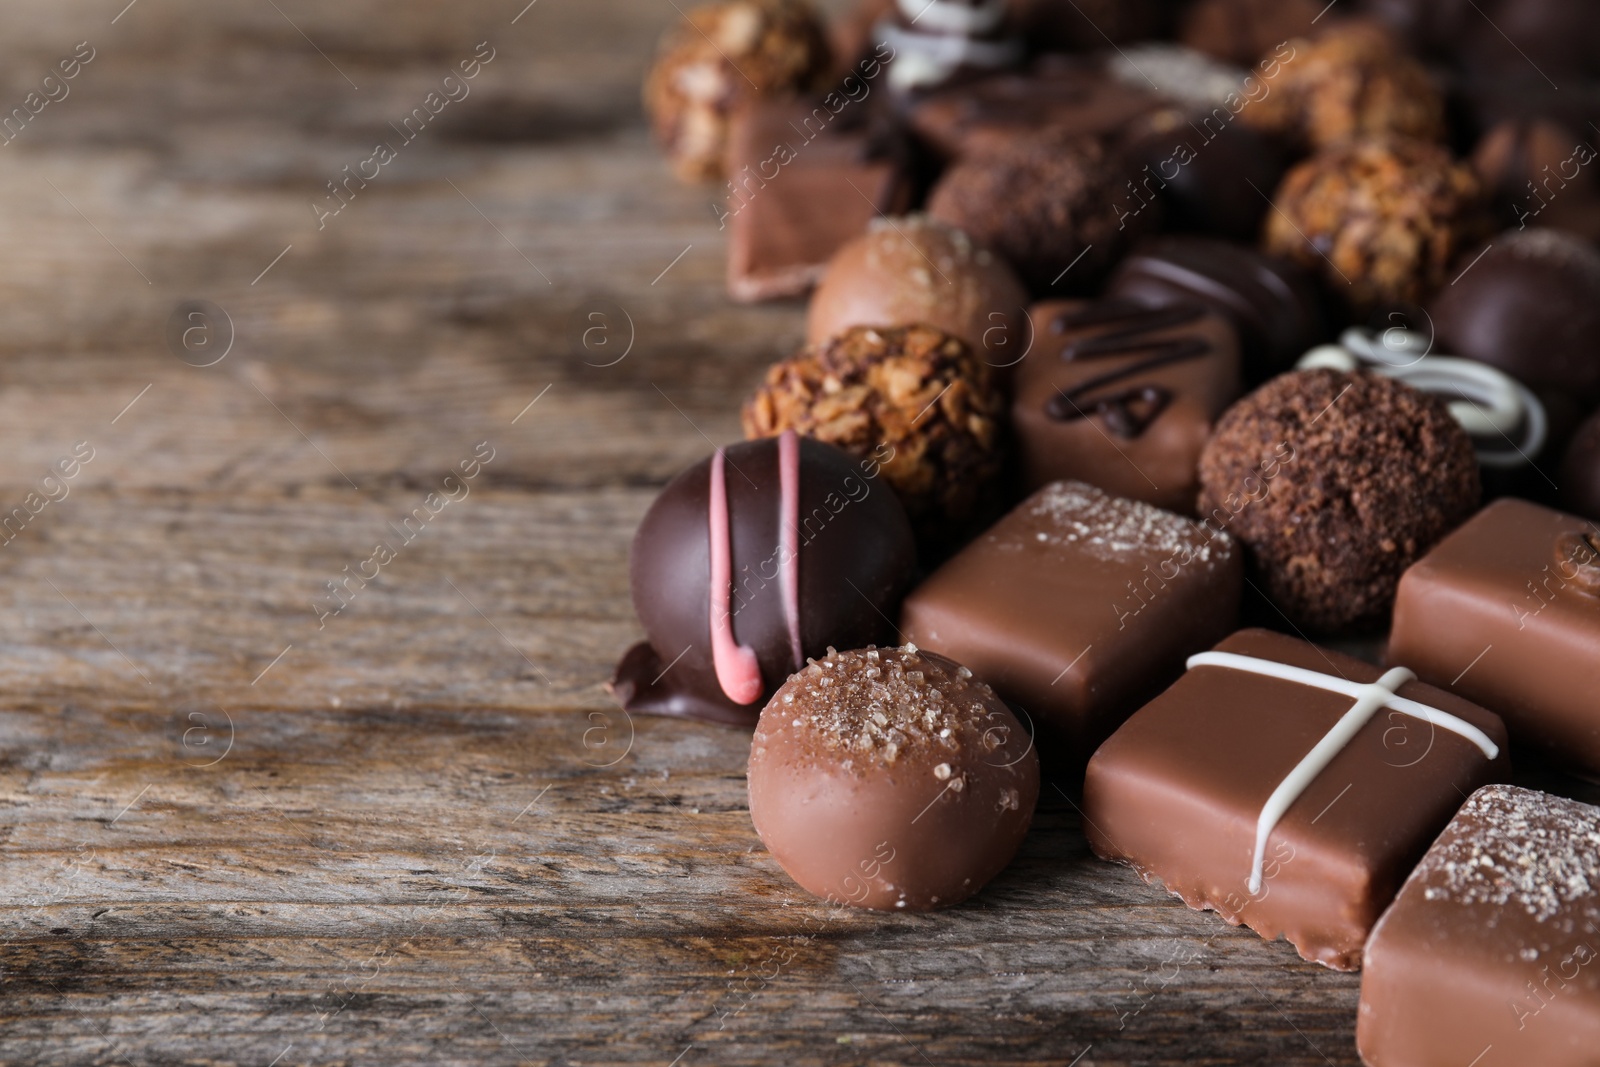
column 242, row 828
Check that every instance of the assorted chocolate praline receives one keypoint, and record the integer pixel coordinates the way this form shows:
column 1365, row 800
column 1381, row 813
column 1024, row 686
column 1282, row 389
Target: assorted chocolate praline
column 1299, row 175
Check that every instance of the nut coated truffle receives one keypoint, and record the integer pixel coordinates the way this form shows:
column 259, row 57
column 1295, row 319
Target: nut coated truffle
column 719, row 53
column 913, row 398
column 916, row 270
column 1337, row 482
column 1041, row 202
column 891, row 779
column 1352, row 81
column 1380, row 219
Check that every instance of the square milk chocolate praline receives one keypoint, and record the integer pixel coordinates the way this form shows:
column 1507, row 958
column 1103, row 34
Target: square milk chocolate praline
column 1123, row 396
column 1077, row 607
column 1179, row 792
column 1490, row 956
column 1505, row 611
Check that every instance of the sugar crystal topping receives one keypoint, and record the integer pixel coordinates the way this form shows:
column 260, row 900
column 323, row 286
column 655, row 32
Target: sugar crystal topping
column 1518, row 848
column 1111, row 528
column 886, row 703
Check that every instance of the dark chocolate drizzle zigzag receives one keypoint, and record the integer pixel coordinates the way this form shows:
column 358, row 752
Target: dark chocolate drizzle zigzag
column 1130, row 412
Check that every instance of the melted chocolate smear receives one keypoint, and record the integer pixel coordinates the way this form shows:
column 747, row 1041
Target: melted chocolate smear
column 642, row 683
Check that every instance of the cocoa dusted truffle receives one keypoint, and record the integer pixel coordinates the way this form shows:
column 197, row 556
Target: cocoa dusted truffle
column 891, row 778
column 1380, row 219
column 918, row 270
column 750, row 561
column 1043, row 202
column 913, row 397
column 716, row 56
column 1369, row 473
column 1350, row 81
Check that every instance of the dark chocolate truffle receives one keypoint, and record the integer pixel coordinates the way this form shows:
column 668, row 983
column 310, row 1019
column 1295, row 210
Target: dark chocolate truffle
column 914, row 399
column 1379, row 219
column 1212, row 174
column 1272, row 303
column 1580, row 471
column 917, row 270
column 1059, row 208
column 891, row 778
column 1089, row 25
column 1537, row 172
column 1349, row 81
column 1530, row 306
column 1368, row 473
column 715, row 57
column 752, row 560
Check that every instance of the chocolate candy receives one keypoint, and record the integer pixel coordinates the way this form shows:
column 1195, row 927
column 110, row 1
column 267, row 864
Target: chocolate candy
column 1051, row 205
column 1077, row 607
column 1242, row 31
column 1067, row 98
column 719, row 55
column 913, row 270
column 1530, row 306
column 938, row 42
column 891, row 779
column 752, row 560
column 1580, row 470
column 1210, row 173
column 1488, row 956
column 1337, row 482
column 803, row 180
column 1288, row 787
column 1506, row 612
column 1123, row 396
column 1272, row 303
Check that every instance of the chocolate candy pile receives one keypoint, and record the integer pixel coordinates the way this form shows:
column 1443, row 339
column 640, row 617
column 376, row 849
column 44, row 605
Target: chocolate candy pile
column 1072, row 471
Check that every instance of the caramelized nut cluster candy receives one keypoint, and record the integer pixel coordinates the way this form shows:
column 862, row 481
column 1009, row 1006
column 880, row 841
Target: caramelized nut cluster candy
column 717, row 55
column 1351, row 81
column 891, row 778
column 1380, row 219
column 915, row 399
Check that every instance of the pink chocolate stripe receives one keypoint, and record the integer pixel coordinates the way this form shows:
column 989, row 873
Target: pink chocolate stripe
column 789, row 539
column 737, row 670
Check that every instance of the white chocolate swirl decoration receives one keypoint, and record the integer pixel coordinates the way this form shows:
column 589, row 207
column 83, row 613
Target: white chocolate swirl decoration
column 1488, row 403
column 1368, row 698
column 933, row 39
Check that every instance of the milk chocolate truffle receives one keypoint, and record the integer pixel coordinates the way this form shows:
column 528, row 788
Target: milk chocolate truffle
column 1042, row 203
column 1530, row 306
column 917, row 270
column 1123, row 396
column 1078, row 607
column 1288, row 787
column 912, row 398
column 1350, row 81
column 752, row 560
column 891, row 779
column 1369, row 474
column 716, row 56
column 1488, row 957
column 1506, row 611
column 1273, row 304
column 1379, row 219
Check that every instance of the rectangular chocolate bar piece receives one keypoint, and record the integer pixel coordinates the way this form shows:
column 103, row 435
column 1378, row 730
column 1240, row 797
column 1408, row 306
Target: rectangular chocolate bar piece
column 1077, row 607
column 1490, row 956
column 1288, row 787
column 1505, row 611
column 1123, row 396
column 802, row 180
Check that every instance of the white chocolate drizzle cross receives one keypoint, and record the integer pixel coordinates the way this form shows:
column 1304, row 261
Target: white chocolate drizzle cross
column 1368, row 699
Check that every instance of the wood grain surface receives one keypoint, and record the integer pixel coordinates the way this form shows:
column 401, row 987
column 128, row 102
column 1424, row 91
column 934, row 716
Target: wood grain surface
column 240, row 830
